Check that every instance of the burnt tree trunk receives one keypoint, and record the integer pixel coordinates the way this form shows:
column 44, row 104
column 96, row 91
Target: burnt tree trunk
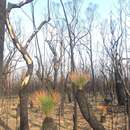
column 49, row 124
column 24, row 84
column 23, row 110
column 72, row 45
column 55, row 75
column 23, row 50
column 2, row 31
column 87, row 114
column 128, row 110
column 121, row 96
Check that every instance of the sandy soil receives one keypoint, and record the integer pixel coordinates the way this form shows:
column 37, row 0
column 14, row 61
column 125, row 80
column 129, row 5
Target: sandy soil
column 9, row 116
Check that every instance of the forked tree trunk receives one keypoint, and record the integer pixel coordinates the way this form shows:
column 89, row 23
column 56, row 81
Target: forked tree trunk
column 24, row 84
column 86, row 112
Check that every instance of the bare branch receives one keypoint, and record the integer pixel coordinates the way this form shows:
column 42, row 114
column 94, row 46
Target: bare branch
column 18, row 5
column 22, row 50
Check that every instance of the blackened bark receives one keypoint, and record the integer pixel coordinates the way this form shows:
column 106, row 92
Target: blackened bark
column 87, row 114
column 55, row 76
column 75, row 118
column 2, row 31
column 24, row 84
column 121, row 96
column 128, row 110
column 72, row 61
column 23, row 110
column 49, row 124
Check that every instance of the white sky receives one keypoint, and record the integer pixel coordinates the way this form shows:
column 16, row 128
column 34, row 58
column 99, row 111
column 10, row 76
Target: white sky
column 103, row 12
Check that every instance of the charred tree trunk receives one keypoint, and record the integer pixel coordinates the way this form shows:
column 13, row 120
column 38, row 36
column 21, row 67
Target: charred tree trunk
column 128, row 110
column 23, row 110
column 91, row 62
column 49, row 124
column 56, row 63
column 87, row 114
column 2, row 31
column 71, row 44
column 23, row 50
column 128, row 100
column 55, row 75
column 121, row 96
column 24, row 84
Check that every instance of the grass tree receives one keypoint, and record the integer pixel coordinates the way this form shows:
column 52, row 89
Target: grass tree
column 79, row 80
column 47, row 103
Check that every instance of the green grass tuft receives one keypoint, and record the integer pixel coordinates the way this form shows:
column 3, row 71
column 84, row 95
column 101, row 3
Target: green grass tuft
column 47, row 104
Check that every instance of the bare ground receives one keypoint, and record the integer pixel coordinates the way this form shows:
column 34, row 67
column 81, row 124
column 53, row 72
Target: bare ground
column 9, row 117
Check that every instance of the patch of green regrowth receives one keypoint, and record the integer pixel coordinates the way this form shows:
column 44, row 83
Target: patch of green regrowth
column 47, row 104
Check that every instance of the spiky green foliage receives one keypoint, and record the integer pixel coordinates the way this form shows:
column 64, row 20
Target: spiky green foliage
column 79, row 79
column 46, row 101
column 47, row 104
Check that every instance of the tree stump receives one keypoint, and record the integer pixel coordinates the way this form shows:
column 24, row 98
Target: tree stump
column 49, row 124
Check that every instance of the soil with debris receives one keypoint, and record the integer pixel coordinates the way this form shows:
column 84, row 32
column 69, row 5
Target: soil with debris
column 9, row 117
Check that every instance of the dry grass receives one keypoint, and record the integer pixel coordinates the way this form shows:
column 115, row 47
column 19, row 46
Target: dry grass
column 79, row 78
column 36, row 97
column 113, row 121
